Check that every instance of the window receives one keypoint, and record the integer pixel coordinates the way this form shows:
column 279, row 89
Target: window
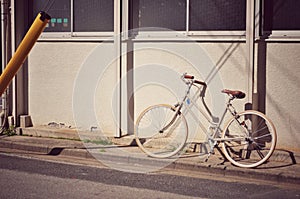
column 60, row 13
column 217, row 15
column 93, row 15
column 168, row 14
column 192, row 15
column 78, row 17
column 281, row 17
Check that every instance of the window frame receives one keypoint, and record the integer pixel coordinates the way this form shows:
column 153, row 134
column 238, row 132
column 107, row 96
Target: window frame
column 170, row 36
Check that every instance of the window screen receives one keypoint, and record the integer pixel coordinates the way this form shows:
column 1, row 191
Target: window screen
column 214, row 15
column 170, row 14
column 60, row 13
column 93, row 15
column 281, row 15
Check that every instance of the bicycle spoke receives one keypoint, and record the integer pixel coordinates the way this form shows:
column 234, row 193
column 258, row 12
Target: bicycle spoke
column 163, row 136
column 262, row 136
column 260, row 154
column 260, row 130
column 256, row 147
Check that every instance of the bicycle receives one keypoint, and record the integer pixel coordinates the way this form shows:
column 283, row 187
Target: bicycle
column 247, row 140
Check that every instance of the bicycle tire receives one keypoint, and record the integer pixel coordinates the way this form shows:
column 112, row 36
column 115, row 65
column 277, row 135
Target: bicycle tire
column 256, row 142
column 150, row 137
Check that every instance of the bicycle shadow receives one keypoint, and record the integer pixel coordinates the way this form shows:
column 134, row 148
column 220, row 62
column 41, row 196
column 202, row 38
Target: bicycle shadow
column 194, row 149
column 279, row 159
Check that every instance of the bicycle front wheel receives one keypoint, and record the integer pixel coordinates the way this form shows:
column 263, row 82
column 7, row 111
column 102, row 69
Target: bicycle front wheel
column 160, row 131
column 249, row 139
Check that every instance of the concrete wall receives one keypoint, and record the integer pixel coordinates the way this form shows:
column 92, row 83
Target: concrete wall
column 282, row 93
column 53, row 67
column 52, row 71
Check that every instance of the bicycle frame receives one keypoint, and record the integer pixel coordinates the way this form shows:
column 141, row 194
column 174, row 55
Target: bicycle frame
column 215, row 123
column 247, row 140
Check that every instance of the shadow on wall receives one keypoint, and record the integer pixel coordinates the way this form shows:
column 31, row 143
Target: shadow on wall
column 221, row 62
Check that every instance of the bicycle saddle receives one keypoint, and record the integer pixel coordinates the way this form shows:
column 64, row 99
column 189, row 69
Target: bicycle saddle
column 236, row 94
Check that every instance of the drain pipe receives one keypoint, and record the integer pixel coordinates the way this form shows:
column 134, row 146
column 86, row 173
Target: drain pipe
column 23, row 50
column 4, row 31
column 250, row 34
column 6, row 53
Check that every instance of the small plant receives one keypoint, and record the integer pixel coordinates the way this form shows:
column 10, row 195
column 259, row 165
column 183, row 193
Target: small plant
column 10, row 131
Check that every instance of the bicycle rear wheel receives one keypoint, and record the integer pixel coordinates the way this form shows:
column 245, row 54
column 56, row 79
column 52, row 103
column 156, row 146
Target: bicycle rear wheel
column 250, row 139
column 160, row 132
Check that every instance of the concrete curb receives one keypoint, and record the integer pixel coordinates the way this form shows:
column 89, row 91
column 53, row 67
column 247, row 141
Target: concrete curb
column 46, row 148
column 288, row 173
column 279, row 176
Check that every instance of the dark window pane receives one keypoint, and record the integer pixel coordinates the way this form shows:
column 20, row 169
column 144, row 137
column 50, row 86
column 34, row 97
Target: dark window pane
column 217, row 15
column 282, row 15
column 60, row 13
column 170, row 14
column 93, row 15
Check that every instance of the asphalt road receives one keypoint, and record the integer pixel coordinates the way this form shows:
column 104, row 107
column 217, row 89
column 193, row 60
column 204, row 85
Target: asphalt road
column 25, row 177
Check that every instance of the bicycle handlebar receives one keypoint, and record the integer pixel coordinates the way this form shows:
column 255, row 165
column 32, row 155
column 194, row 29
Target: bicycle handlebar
column 186, row 76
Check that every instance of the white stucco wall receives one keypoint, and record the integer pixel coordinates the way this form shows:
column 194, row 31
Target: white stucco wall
column 52, row 70
column 53, row 67
column 282, row 97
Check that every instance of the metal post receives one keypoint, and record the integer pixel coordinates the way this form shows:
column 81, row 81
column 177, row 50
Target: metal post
column 23, row 50
column 117, row 46
column 250, row 33
column 4, row 30
column 6, row 54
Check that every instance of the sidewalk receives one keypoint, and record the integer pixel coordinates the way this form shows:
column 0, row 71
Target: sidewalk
column 283, row 166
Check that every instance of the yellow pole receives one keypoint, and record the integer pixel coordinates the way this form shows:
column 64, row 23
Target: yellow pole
column 23, row 50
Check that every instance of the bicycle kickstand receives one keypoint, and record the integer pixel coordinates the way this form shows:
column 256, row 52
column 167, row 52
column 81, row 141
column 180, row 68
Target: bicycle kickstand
column 207, row 157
